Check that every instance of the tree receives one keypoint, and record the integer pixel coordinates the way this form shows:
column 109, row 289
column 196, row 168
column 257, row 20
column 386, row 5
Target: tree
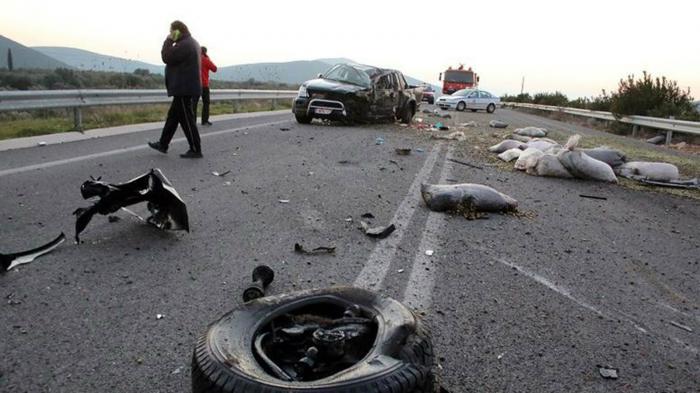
column 142, row 72
column 655, row 97
column 10, row 63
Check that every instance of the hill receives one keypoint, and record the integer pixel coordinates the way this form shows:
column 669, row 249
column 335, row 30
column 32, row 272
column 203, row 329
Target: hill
column 25, row 57
column 91, row 61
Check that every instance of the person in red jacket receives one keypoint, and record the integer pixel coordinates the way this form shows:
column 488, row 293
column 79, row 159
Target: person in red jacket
column 207, row 65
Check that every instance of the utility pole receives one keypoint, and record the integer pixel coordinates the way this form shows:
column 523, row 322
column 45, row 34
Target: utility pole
column 522, row 85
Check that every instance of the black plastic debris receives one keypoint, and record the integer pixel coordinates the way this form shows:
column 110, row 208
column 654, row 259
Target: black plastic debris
column 285, row 128
column 403, row 151
column 12, row 260
column 168, row 211
column 380, row 232
column 262, row 277
column 367, row 215
column 465, row 163
column 608, row 372
column 298, row 248
column 593, row 197
column 220, row 174
column 113, row 219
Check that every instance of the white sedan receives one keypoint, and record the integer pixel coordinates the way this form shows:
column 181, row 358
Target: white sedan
column 473, row 99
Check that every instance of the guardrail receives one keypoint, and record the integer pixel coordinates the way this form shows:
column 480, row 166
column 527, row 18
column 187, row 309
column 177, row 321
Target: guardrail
column 669, row 125
column 77, row 99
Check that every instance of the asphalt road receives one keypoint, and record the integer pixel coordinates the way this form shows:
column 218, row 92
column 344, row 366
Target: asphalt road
column 517, row 304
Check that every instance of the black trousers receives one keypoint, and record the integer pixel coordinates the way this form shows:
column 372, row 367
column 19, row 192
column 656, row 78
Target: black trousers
column 205, row 105
column 182, row 112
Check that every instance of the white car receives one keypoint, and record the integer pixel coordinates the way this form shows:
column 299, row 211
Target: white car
column 473, row 99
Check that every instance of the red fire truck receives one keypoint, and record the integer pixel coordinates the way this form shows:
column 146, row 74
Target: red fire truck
column 458, row 79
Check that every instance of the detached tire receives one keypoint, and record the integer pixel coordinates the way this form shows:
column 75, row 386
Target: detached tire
column 401, row 359
column 303, row 119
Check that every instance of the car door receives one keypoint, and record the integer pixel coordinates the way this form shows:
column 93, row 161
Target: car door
column 472, row 100
column 383, row 93
column 485, row 99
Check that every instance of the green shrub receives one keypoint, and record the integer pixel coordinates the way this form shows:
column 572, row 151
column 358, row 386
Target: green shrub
column 655, row 97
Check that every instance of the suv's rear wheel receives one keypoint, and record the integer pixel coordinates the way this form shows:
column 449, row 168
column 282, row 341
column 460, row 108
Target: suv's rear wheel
column 461, row 106
column 491, row 108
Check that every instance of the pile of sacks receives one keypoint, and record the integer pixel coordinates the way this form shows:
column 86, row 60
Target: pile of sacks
column 542, row 156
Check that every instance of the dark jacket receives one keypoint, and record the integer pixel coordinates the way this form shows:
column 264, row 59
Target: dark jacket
column 182, row 66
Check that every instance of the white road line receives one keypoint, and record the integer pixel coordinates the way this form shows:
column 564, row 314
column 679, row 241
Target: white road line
column 379, row 261
column 612, row 313
column 419, row 290
column 143, row 146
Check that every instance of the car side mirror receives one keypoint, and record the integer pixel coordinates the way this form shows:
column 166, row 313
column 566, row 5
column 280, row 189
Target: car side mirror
column 319, row 76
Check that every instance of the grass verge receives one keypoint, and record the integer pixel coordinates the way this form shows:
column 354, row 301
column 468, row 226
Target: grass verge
column 23, row 124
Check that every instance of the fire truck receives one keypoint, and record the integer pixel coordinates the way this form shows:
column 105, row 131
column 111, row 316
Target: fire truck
column 458, row 79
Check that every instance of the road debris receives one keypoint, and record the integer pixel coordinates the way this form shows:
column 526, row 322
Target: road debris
column 612, row 157
column 454, row 136
column 159, row 316
column 283, row 200
column 368, row 215
column 429, row 253
column 593, row 197
column 262, row 277
column 655, row 171
column 686, row 184
column 285, row 128
column 680, row 326
column 298, row 248
column 528, row 158
column 531, row 131
column 42, row 143
column 657, row 140
column 582, row 166
column 510, row 155
column 400, row 271
column 113, row 219
column 469, row 124
column 507, row 144
column 608, row 372
column 466, row 198
column 168, row 211
column 10, row 261
column 403, row 151
column 379, row 232
column 379, row 141
column 220, row 174
column 464, row 163
column 497, row 124
column 548, row 165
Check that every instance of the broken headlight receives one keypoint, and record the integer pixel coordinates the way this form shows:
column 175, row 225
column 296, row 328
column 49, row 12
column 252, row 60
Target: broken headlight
column 302, row 92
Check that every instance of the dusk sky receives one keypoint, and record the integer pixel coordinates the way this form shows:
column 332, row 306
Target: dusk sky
column 575, row 47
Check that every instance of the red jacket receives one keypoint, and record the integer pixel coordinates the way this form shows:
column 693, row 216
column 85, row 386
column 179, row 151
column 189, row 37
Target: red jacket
column 207, row 65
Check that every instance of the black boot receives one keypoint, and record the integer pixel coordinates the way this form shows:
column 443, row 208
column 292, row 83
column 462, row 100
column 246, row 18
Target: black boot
column 192, row 154
column 158, row 146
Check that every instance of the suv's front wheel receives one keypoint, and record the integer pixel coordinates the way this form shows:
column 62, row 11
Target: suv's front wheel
column 303, row 119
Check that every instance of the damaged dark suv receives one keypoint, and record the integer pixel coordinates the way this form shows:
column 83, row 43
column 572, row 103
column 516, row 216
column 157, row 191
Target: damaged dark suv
column 357, row 93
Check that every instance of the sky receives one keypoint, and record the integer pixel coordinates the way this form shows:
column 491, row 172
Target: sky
column 576, row 47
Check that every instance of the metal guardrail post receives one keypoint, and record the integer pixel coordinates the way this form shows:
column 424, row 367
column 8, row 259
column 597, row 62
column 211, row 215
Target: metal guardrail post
column 236, row 106
column 77, row 119
column 669, row 133
column 274, row 104
column 635, row 130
